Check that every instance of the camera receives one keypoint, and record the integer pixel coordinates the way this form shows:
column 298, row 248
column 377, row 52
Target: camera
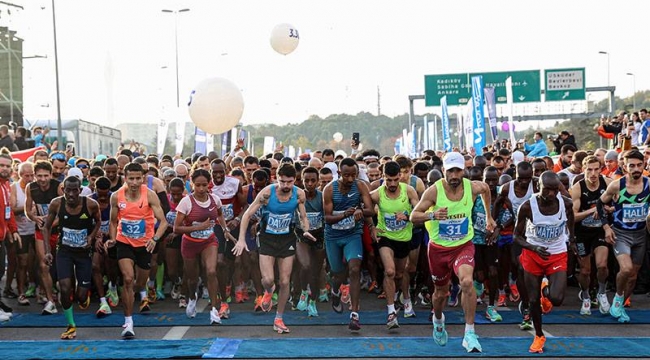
column 552, row 137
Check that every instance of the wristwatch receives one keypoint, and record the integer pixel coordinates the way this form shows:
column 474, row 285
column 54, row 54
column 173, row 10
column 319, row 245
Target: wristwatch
column 155, row 239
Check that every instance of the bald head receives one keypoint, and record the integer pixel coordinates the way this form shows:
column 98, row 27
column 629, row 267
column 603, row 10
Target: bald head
column 316, row 163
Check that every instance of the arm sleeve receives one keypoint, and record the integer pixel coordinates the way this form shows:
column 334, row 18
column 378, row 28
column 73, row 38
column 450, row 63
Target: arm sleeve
column 164, row 202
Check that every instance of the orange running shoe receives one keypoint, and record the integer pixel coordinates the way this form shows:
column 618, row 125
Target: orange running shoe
column 267, row 301
column 538, row 345
column 502, row 300
column 627, row 303
column 224, row 311
column 514, row 293
column 546, row 304
column 278, row 325
column 258, row 304
column 345, row 293
column 239, row 296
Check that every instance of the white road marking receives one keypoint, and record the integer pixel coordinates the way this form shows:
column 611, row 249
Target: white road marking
column 177, row 332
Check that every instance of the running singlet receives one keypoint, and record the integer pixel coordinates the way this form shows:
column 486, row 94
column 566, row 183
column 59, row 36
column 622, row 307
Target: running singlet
column 588, row 200
column 105, row 215
column 479, row 221
column 630, row 211
column 74, row 229
column 548, row 231
column 458, row 228
column 314, row 209
column 278, row 216
column 42, row 199
column 25, row 226
column 227, row 192
column 135, row 220
column 199, row 214
column 398, row 230
column 171, row 215
column 347, row 226
column 517, row 201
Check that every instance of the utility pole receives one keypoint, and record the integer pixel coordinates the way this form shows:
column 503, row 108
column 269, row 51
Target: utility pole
column 378, row 101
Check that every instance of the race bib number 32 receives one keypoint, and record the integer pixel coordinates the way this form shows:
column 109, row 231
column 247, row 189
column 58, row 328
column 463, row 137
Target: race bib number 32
column 134, row 229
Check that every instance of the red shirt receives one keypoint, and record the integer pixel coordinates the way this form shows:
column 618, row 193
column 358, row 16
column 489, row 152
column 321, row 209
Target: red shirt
column 6, row 224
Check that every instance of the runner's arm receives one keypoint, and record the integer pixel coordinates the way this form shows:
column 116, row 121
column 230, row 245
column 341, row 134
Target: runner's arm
column 421, row 212
column 158, row 213
column 49, row 220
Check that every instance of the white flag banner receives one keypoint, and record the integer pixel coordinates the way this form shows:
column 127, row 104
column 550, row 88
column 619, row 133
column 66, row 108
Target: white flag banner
column 469, row 124
column 269, row 145
column 180, row 133
column 163, row 127
column 511, row 117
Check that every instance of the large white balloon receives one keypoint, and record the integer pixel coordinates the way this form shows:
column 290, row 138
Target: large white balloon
column 337, row 137
column 216, row 105
column 284, row 38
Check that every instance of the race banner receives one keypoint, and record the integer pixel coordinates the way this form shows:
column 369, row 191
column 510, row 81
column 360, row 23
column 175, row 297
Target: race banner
column 511, row 117
column 491, row 103
column 446, row 136
column 478, row 117
column 469, row 124
column 163, row 127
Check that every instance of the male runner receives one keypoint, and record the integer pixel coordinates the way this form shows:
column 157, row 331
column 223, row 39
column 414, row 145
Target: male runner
column 79, row 222
column 627, row 233
column 134, row 210
column 541, row 231
column 448, row 204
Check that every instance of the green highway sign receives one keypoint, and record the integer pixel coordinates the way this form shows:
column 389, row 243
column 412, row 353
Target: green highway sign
column 526, row 85
column 456, row 87
column 565, row 84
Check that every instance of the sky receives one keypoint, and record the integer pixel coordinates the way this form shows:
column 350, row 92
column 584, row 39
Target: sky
column 116, row 58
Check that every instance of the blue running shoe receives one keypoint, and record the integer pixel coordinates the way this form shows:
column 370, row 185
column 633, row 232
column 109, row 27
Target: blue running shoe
column 624, row 318
column 617, row 306
column 470, row 342
column 440, row 334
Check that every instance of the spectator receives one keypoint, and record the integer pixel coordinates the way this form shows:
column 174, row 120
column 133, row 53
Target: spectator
column 5, row 139
column 538, row 148
column 564, row 138
column 20, row 136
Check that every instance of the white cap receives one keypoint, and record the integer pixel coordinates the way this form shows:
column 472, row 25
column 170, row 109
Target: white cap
column 341, row 153
column 76, row 172
column 453, row 160
column 518, row 157
column 335, row 170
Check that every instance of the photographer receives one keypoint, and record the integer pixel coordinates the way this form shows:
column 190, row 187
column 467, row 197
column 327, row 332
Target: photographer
column 613, row 126
column 563, row 138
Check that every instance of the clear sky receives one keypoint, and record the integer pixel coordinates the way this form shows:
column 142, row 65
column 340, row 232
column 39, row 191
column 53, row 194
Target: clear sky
column 112, row 53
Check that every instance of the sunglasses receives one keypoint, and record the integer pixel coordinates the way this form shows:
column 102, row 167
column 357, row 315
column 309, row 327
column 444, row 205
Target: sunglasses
column 58, row 156
column 82, row 166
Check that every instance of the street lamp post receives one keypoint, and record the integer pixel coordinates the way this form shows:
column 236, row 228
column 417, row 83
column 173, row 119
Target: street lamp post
column 176, row 12
column 633, row 89
column 609, row 97
column 59, row 133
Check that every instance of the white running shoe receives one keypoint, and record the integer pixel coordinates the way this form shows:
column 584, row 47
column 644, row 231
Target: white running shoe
column 128, row 332
column 191, row 308
column 586, row 307
column 49, row 309
column 603, row 304
column 214, row 317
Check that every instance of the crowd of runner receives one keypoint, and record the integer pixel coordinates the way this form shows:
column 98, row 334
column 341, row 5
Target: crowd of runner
column 502, row 228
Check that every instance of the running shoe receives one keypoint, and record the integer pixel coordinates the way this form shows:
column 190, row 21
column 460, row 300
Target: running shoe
column 70, row 333
column 151, row 294
column 585, row 309
column 239, row 296
column 624, row 318
column 112, row 297
column 526, row 322
column 182, row 302
column 628, row 303
column 603, row 304
column 278, row 325
column 224, row 310
column 453, row 295
column 23, row 300
column 354, row 324
column 345, row 293
column 190, row 311
column 42, row 300
column 537, row 345
column 501, row 301
column 492, row 314
column 425, row 298
column 312, row 311
column 104, row 310
column 49, row 309
column 514, row 293
column 408, row 309
column 323, row 296
column 274, row 298
column 258, row 304
column 337, row 305
column 85, row 304
column 144, row 305
column 546, row 304
column 372, row 287
column 267, row 301
column 9, row 293
column 6, row 308
column 128, row 332
column 303, row 303
column 215, row 319
column 381, row 295
column 31, row 291
column 391, row 322
column 176, row 291
column 160, row 295
column 204, row 293
column 5, row 317
column 440, row 334
column 470, row 342
column 617, row 306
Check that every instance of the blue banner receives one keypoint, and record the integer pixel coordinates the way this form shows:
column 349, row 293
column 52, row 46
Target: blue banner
column 446, row 136
column 491, row 103
column 414, row 142
column 477, row 115
column 225, row 142
column 200, row 141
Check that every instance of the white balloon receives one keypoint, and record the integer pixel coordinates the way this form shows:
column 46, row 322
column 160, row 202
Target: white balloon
column 284, row 38
column 216, row 105
column 337, row 137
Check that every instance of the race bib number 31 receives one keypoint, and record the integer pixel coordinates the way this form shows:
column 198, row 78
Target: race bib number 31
column 453, row 229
